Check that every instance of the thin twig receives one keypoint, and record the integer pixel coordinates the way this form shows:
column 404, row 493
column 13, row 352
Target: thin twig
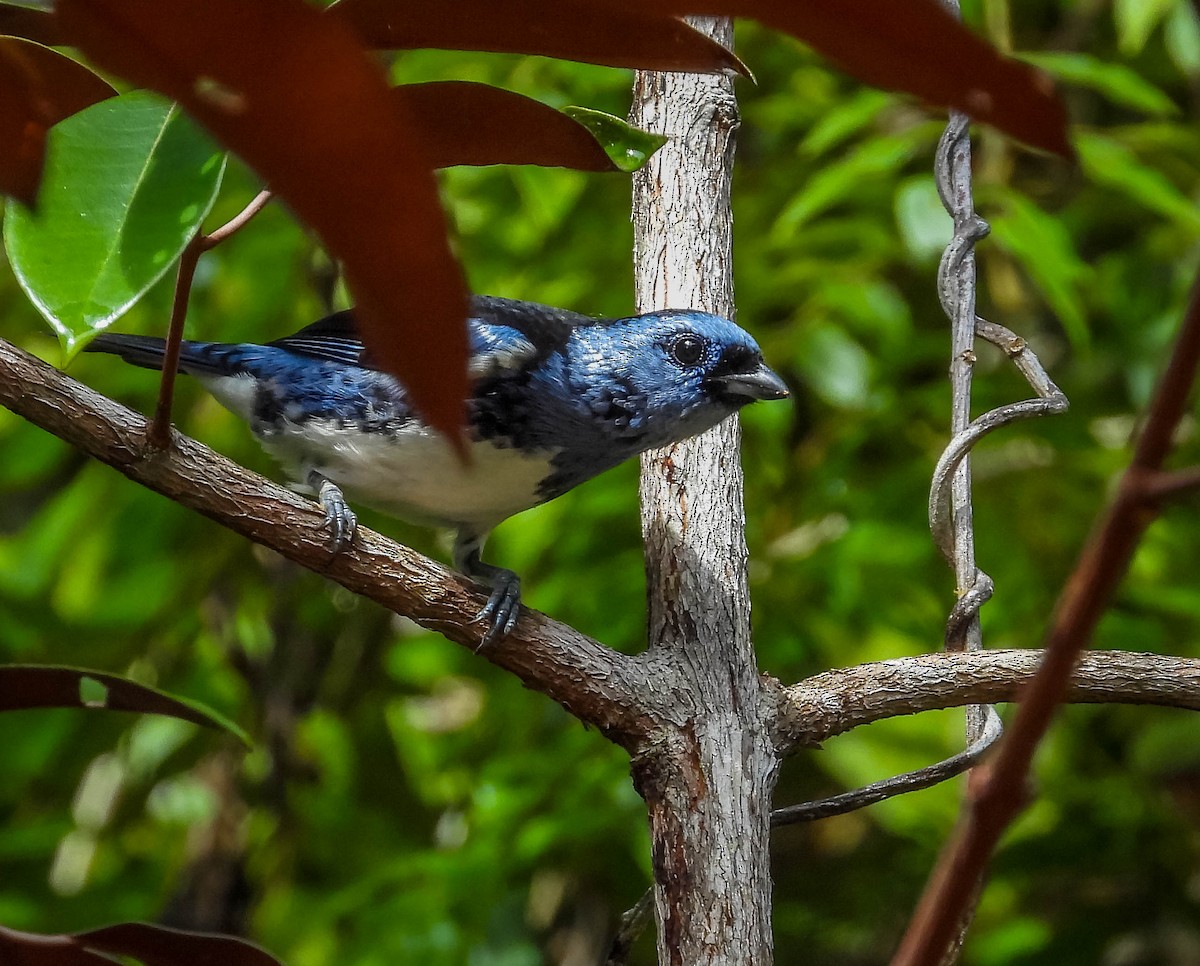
column 913, row 781
column 160, row 429
column 951, row 516
column 1050, row 400
column 633, row 924
column 1169, row 485
column 957, row 279
column 1000, row 795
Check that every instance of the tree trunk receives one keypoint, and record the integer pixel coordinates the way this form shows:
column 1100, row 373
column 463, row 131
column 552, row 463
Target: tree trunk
column 707, row 773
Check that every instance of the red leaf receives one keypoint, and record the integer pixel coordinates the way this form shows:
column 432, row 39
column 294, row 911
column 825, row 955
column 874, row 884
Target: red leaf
column 38, row 88
column 914, row 46
column 153, row 945
column 160, row 946
column 583, row 31
column 466, row 123
column 31, row 24
column 27, row 686
column 38, row 949
column 293, row 93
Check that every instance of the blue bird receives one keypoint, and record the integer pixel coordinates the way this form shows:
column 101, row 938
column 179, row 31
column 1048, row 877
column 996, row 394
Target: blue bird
column 557, row 399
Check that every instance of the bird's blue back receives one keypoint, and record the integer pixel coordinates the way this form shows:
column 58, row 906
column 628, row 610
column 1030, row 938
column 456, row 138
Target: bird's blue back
column 566, row 395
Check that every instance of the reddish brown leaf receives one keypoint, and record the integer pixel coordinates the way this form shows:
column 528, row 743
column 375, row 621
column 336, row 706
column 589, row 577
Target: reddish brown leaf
column 38, row 88
column 570, row 30
column 26, row 686
column 152, row 945
column 293, row 93
column 914, row 46
column 466, row 123
column 37, row 949
column 160, row 946
column 31, row 24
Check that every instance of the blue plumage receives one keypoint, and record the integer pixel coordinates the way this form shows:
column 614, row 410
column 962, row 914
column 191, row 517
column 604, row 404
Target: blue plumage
column 557, row 398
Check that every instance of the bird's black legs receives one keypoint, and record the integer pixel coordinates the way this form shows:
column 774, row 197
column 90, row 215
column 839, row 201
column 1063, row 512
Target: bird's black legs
column 339, row 518
column 504, row 604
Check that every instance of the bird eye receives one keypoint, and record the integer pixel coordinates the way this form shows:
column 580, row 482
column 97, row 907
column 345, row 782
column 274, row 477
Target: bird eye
column 687, row 350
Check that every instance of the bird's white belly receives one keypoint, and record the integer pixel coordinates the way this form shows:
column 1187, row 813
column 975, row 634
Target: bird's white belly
column 415, row 474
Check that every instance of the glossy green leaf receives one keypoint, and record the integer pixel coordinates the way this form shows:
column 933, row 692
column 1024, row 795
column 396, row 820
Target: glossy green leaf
column 628, row 147
column 127, row 184
column 1118, row 83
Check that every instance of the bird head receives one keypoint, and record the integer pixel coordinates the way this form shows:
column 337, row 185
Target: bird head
column 692, row 369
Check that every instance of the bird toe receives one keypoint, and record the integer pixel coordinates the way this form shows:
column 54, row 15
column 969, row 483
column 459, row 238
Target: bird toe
column 340, row 520
column 502, row 609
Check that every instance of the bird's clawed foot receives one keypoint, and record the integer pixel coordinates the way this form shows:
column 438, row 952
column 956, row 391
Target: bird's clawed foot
column 339, row 518
column 504, row 603
column 503, row 606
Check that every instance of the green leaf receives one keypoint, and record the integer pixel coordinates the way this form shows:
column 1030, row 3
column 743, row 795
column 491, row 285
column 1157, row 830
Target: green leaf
column 628, row 147
column 845, row 120
column 28, row 686
column 1108, row 162
column 1135, row 21
column 128, row 182
column 1182, row 38
column 836, row 367
column 1041, row 243
column 924, row 224
column 874, row 160
column 1115, row 81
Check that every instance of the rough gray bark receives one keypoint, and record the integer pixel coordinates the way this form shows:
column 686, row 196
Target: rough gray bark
column 834, row 702
column 708, row 770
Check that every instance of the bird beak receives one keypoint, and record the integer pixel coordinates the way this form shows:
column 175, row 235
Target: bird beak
column 758, row 383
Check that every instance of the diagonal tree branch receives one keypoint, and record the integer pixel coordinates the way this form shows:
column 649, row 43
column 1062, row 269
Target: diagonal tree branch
column 595, row 683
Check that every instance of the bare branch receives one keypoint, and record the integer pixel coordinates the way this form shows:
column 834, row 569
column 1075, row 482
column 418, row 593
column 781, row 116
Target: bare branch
column 956, row 290
column 593, row 682
column 913, row 781
column 1050, row 400
column 834, row 702
column 1158, row 487
column 160, row 429
column 633, row 924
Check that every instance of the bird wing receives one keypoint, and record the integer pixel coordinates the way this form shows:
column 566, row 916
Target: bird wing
column 505, row 336
column 333, row 339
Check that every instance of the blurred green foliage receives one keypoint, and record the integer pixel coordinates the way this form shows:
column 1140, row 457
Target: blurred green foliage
column 405, row 800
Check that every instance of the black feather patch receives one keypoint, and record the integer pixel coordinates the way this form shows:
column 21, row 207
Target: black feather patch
column 333, row 338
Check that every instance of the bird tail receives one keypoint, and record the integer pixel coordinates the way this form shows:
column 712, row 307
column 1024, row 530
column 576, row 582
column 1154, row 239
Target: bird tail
column 195, row 358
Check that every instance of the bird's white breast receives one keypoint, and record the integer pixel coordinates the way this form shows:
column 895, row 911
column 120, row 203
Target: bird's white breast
column 412, row 473
column 415, row 474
